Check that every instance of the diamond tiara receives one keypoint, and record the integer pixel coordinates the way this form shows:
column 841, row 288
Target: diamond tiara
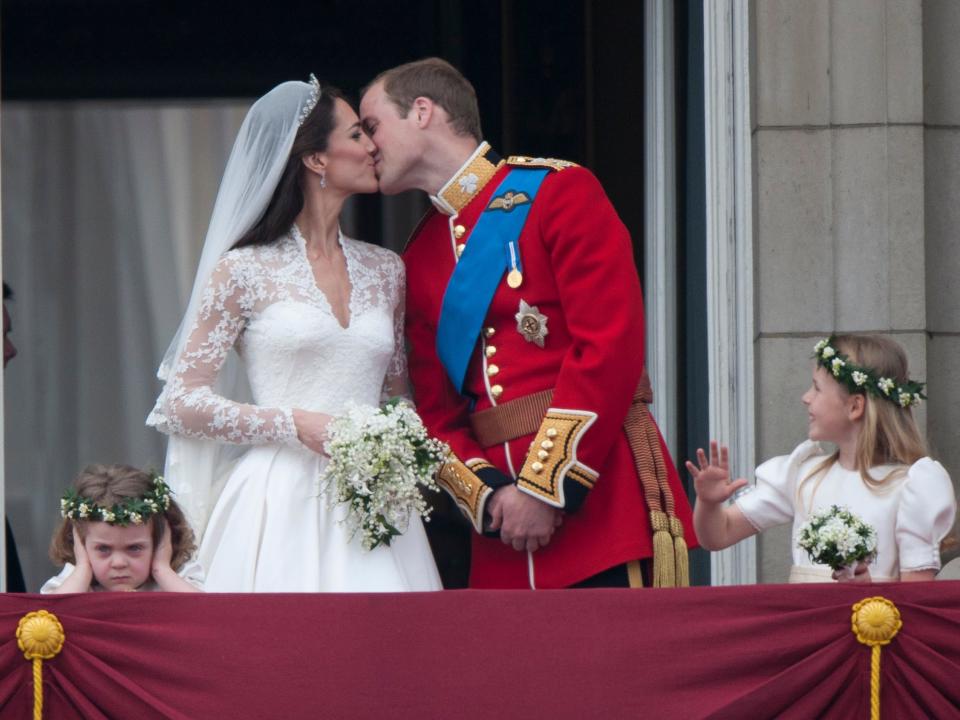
column 311, row 99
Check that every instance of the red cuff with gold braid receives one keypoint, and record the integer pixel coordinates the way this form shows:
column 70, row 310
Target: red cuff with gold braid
column 471, row 484
column 551, row 472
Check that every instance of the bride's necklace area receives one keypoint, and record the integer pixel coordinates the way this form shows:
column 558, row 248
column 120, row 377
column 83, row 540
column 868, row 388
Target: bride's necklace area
column 331, row 274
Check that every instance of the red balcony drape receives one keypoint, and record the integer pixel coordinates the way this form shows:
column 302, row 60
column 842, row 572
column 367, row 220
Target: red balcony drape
column 765, row 651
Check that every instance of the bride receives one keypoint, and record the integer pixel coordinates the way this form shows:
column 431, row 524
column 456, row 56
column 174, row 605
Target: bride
column 317, row 320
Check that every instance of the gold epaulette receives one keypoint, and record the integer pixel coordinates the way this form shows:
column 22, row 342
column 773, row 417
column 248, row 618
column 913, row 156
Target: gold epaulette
column 469, row 492
column 552, row 163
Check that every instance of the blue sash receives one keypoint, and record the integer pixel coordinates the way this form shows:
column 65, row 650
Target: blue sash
column 493, row 248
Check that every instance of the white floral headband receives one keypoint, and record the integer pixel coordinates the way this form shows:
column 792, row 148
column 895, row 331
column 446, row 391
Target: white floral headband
column 131, row 511
column 860, row 379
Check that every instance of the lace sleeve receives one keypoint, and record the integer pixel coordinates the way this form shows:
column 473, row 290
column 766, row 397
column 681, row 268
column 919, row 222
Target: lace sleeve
column 188, row 405
column 396, row 383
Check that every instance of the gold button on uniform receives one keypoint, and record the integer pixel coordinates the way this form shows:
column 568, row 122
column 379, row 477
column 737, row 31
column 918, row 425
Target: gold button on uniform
column 547, row 445
column 496, row 391
column 543, row 454
column 490, row 351
column 489, row 332
column 551, row 432
column 492, row 370
column 460, row 248
column 537, row 467
column 459, row 231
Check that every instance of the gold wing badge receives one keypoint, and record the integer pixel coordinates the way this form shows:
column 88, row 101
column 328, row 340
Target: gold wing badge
column 508, row 201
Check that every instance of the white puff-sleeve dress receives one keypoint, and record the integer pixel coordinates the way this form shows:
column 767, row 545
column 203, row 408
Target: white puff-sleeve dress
column 912, row 511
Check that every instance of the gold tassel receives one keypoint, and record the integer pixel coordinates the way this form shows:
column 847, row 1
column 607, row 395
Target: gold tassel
column 680, row 552
column 664, row 565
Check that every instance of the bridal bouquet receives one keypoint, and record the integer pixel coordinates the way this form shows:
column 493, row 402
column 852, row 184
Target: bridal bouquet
column 838, row 538
column 380, row 458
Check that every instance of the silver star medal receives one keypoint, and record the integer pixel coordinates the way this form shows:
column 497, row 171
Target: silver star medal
column 531, row 323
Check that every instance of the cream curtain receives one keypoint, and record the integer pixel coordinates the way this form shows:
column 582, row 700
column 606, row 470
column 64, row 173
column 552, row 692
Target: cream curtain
column 105, row 206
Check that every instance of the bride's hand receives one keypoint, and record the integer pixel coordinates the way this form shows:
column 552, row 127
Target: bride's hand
column 311, row 429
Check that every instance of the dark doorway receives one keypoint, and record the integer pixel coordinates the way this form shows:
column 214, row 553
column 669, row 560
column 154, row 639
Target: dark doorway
column 693, row 388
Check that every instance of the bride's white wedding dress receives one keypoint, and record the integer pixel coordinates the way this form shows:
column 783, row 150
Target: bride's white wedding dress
column 272, row 528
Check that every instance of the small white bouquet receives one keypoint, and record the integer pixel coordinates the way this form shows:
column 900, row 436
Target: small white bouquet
column 838, row 538
column 380, row 458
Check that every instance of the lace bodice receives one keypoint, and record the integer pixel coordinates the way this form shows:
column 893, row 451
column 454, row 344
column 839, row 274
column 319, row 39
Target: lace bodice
column 264, row 302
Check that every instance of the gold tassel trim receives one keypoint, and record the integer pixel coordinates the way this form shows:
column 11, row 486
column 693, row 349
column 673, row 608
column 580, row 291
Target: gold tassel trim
column 681, row 556
column 664, row 563
column 671, row 565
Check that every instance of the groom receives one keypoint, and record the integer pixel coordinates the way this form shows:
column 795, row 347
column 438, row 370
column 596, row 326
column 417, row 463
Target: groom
column 525, row 322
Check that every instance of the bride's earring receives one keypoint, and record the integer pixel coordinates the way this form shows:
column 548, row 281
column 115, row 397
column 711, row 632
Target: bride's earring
column 323, row 181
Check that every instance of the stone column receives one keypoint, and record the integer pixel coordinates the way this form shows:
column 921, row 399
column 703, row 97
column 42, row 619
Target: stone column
column 838, row 149
column 941, row 142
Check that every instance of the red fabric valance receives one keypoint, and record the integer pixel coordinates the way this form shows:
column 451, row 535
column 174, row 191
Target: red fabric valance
column 782, row 651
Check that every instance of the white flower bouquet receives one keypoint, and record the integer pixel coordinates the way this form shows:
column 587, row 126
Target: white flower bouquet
column 380, row 458
column 838, row 538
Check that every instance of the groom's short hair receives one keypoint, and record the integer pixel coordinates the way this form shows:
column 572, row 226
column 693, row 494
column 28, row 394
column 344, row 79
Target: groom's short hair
column 441, row 82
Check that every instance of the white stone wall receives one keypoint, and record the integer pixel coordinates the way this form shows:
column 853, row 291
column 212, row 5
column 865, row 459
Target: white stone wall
column 845, row 155
column 941, row 179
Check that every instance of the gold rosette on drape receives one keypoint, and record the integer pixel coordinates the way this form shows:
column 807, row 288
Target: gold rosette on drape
column 40, row 636
column 875, row 622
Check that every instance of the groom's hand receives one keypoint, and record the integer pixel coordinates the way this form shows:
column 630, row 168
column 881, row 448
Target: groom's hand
column 524, row 522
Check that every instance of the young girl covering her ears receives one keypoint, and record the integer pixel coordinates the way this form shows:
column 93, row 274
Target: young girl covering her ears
column 123, row 532
column 861, row 400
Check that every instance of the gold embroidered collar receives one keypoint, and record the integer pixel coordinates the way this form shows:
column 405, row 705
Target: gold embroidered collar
column 469, row 180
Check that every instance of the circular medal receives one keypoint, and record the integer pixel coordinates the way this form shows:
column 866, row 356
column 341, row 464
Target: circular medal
column 514, row 278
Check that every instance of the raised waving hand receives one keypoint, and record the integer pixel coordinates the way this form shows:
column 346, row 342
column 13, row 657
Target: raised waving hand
column 717, row 526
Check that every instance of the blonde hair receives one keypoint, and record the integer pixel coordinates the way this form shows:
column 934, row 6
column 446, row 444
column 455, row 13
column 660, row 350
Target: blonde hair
column 889, row 434
column 108, row 485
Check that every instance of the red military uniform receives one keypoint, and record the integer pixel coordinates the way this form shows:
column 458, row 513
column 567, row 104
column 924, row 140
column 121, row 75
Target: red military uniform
column 574, row 325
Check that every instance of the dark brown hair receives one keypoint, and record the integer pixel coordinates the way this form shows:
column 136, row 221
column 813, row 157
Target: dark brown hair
column 287, row 200
column 441, row 82
column 108, row 485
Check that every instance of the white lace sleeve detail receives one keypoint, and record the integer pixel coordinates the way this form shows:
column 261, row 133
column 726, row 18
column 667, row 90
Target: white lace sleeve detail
column 188, row 405
column 396, row 383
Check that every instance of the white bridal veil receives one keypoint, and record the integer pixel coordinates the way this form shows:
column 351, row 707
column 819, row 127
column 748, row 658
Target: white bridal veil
column 195, row 469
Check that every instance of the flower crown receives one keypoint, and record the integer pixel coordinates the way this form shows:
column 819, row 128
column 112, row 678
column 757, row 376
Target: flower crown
column 859, row 379
column 312, row 99
column 131, row 511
